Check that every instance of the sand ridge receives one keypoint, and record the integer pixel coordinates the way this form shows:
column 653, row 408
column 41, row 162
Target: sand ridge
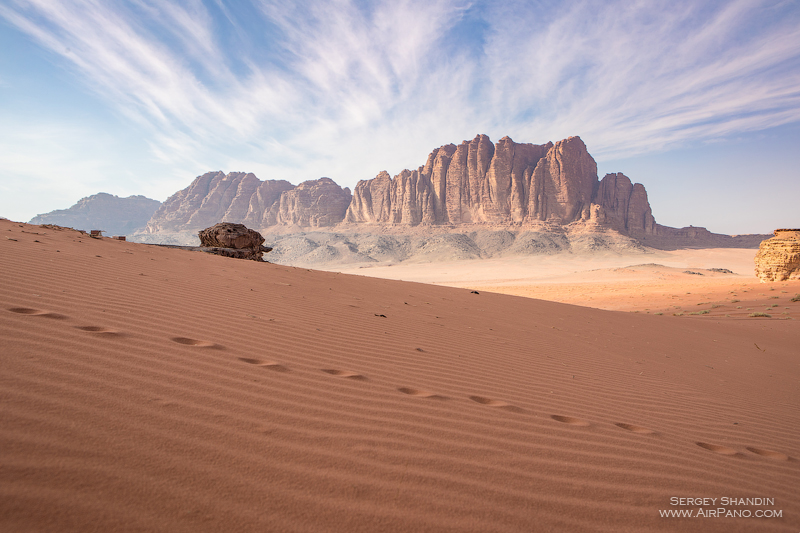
column 154, row 389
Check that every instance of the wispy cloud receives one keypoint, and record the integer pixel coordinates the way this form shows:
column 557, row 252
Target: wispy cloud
column 346, row 88
column 646, row 75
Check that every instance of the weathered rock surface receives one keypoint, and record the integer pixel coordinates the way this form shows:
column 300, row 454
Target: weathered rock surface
column 233, row 240
column 372, row 200
column 623, row 206
column 243, row 198
column 562, row 184
column 215, row 197
column 778, row 258
column 314, row 203
column 473, row 182
column 103, row 211
column 504, row 183
column 264, row 203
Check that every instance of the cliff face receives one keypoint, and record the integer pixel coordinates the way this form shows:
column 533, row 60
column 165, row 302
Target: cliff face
column 107, row 212
column 473, row 182
column 563, row 183
column 313, row 203
column 264, row 203
column 778, row 258
column 372, row 200
column 242, row 198
column 504, row 183
column 623, row 206
column 211, row 198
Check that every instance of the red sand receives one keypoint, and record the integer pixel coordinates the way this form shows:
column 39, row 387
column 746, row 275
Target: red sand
column 153, row 389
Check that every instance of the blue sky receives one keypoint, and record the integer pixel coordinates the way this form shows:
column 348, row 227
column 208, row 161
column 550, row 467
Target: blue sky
column 699, row 101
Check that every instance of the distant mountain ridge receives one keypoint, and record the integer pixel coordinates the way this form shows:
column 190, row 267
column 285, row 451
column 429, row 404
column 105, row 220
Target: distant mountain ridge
column 242, row 198
column 103, row 211
column 475, row 184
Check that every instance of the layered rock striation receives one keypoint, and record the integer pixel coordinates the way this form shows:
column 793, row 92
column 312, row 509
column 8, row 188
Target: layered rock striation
column 778, row 258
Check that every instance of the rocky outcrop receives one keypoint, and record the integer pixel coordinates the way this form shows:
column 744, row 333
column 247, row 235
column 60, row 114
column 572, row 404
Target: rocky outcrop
column 623, row 206
column 778, row 258
column 314, row 203
column 465, row 180
column 243, row 198
column 233, row 240
column 107, row 212
column 473, row 182
column 263, row 209
column 372, row 200
column 477, row 181
column 563, row 183
column 215, row 197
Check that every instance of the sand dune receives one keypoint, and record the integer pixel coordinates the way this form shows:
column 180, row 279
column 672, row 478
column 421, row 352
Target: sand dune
column 153, row 389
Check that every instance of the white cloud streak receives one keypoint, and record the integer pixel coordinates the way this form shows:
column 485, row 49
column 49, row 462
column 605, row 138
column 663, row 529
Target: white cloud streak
column 647, row 75
column 350, row 90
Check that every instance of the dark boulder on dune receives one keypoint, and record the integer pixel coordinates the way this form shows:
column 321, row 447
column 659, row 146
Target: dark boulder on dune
column 233, row 240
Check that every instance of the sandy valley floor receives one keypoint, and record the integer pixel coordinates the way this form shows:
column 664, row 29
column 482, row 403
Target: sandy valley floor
column 153, row 389
column 674, row 282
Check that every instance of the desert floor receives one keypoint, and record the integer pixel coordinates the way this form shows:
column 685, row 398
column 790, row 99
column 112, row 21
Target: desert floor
column 154, row 389
column 666, row 282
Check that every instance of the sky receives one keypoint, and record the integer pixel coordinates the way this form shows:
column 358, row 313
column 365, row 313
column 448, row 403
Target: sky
column 698, row 101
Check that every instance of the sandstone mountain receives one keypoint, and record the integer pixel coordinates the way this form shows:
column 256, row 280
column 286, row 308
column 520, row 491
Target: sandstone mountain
column 477, row 184
column 506, row 183
column 103, row 211
column 242, row 198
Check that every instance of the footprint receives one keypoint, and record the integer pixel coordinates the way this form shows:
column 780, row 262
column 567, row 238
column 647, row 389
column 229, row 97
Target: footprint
column 267, row 364
column 496, row 403
column 569, row 420
column 100, row 330
column 36, row 312
column 722, row 450
column 421, row 393
column 25, row 311
column 194, row 342
column 345, row 374
column 769, row 453
column 635, row 429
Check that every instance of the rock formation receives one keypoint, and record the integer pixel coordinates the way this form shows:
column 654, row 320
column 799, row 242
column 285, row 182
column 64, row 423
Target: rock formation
column 215, row 197
column 507, row 184
column 473, row 182
column 107, row 212
column 314, row 203
column 504, row 183
column 240, row 197
column 623, row 206
column 372, row 200
column 233, row 240
column 778, row 258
